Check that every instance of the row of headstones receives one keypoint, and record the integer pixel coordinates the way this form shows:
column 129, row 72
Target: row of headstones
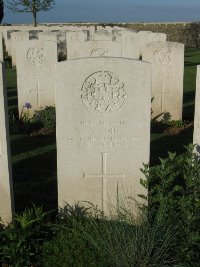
column 121, row 41
column 102, row 131
column 106, row 34
column 98, row 103
column 36, row 59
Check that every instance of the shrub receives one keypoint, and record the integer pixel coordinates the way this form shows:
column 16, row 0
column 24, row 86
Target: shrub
column 175, row 185
column 21, row 241
column 46, row 117
column 70, row 247
column 95, row 240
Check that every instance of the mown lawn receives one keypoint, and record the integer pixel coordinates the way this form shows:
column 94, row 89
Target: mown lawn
column 34, row 157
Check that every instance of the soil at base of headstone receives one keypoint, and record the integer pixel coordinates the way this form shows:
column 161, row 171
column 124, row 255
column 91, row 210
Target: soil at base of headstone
column 179, row 130
column 44, row 132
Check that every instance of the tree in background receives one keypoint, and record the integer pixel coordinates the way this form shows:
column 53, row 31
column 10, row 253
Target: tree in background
column 30, row 6
column 1, row 10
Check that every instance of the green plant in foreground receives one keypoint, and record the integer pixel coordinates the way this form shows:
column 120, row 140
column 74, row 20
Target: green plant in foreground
column 25, row 120
column 125, row 241
column 175, row 184
column 21, row 241
column 46, row 117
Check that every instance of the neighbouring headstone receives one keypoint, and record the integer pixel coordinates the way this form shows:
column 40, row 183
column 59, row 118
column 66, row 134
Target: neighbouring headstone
column 103, row 108
column 6, row 187
column 47, row 36
column 146, row 37
column 7, row 39
column 102, row 35
column 36, row 74
column 1, row 46
column 196, row 135
column 102, row 43
column 167, row 59
column 16, row 37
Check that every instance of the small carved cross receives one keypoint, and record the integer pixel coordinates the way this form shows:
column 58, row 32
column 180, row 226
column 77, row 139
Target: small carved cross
column 104, row 175
column 163, row 93
column 38, row 91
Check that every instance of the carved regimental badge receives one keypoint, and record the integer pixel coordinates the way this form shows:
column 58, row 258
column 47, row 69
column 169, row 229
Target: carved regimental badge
column 162, row 56
column 36, row 55
column 103, row 91
column 98, row 52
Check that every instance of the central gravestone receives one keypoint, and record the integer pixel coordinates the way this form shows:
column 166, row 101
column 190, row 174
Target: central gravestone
column 103, row 129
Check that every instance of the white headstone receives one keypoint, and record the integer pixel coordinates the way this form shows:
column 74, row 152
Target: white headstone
column 196, row 135
column 1, row 47
column 36, row 74
column 102, row 35
column 167, row 60
column 6, row 193
column 47, row 36
column 103, row 110
column 119, row 44
column 8, row 41
column 15, row 38
column 146, row 37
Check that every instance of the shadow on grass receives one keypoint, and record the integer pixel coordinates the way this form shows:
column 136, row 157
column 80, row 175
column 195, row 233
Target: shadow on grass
column 188, row 109
column 12, row 100
column 188, row 112
column 191, row 64
column 25, row 143
column 35, row 181
column 160, row 147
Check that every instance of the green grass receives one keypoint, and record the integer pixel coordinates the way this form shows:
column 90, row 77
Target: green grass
column 33, row 162
column 34, row 158
column 192, row 59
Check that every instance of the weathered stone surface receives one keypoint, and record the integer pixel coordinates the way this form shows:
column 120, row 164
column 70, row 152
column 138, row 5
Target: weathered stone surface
column 35, row 73
column 103, row 108
column 102, row 43
column 196, row 135
column 102, row 35
column 167, row 60
column 7, row 39
column 1, row 46
column 146, row 37
column 16, row 37
column 47, row 36
column 6, row 188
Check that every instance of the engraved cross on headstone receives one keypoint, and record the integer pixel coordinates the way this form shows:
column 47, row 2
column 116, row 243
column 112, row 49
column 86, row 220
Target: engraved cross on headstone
column 163, row 93
column 38, row 91
column 104, row 175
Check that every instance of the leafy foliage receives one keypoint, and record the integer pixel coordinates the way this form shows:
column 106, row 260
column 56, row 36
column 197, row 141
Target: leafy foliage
column 175, row 185
column 46, row 117
column 43, row 119
column 20, row 242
